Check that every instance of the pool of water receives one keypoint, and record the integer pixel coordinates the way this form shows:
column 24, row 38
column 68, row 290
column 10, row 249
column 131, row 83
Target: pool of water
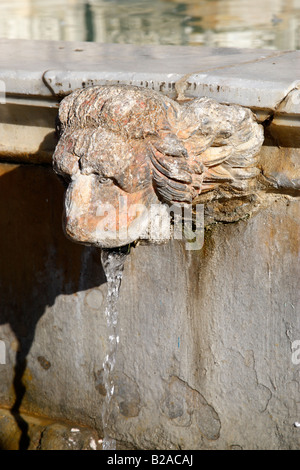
column 272, row 24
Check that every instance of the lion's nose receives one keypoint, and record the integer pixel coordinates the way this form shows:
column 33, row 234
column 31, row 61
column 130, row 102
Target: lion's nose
column 65, row 162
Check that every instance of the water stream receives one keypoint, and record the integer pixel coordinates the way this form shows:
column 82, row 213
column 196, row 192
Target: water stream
column 113, row 264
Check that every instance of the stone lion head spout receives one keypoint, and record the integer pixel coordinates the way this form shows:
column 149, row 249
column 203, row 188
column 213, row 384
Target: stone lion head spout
column 123, row 149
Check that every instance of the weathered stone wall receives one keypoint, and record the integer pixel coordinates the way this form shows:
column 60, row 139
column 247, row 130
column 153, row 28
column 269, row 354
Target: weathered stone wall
column 205, row 353
column 206, row 337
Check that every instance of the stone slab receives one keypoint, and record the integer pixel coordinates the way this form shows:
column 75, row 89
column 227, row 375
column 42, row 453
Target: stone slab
column 36, row 75
column 255, row 78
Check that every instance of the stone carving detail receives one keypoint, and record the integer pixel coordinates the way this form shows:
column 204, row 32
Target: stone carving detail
column 124, row 146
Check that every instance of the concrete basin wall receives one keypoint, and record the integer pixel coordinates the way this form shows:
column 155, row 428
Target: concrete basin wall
column 207, row 357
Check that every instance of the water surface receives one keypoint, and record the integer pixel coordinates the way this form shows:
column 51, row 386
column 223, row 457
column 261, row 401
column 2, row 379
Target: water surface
column 271, row 24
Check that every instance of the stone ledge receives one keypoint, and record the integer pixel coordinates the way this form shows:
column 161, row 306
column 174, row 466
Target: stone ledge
column 40, row 433
column 51, row 69
column 266, row 81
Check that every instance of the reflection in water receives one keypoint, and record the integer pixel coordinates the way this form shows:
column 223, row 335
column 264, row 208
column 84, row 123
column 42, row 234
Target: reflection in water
column 273, row 24
column 113, row 264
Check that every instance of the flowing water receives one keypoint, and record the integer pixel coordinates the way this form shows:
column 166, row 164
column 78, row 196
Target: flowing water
column 113, row 264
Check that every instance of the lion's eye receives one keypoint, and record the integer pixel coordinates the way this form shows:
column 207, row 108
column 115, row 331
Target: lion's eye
column 103, row 180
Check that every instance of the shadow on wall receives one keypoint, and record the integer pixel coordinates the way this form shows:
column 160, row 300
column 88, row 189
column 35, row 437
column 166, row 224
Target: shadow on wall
column 37, row 262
